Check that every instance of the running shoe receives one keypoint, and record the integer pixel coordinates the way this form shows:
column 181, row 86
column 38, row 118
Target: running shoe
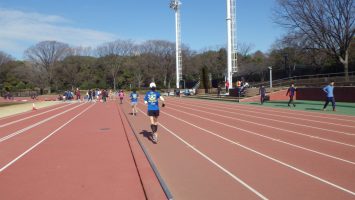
column 155, row 138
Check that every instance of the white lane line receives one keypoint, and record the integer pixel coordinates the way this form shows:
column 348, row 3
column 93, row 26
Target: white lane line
column 271, row 158
column 277, row 115
column 44, row 139
column 13, row 122
column 285, row 122
column 213, row 162
column 267, row 137
column 298, row 133
column 277, row 110
column 34, row 125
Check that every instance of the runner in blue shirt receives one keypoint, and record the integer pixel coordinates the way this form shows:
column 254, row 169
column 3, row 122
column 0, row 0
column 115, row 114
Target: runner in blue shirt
column 134, row 101
column 151, row 98
column 330, row 95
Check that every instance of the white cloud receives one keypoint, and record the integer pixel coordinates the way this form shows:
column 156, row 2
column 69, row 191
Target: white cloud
column 19, row 30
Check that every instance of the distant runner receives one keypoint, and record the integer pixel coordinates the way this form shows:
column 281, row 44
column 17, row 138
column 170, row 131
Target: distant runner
column 291, row 92
column 330, row 95
column 121, row 95
column 262, row 92
column 134, row 100
column 151, row 98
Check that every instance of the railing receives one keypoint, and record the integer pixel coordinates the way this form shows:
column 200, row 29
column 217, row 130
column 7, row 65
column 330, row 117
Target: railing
column 312, row 80
column 197, row 85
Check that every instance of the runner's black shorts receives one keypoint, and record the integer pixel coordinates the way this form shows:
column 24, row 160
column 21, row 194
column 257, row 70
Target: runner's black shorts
column 154, row 113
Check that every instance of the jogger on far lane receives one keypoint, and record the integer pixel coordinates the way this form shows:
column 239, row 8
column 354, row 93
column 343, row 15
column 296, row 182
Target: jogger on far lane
column 134, row 101
column 330, row 95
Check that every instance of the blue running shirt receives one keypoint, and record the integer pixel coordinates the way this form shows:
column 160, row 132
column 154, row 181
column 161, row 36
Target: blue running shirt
column 134, row 97
column 329, row 90
column 152, row 98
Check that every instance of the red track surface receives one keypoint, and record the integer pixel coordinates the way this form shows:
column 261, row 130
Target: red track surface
column 206, row 150
column 216, row 150
column 75, row 151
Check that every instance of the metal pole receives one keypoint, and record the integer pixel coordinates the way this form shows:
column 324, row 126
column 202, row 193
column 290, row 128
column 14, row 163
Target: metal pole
column 229, row 44
column 175, row 5
column 270, row 68
column 177, row 47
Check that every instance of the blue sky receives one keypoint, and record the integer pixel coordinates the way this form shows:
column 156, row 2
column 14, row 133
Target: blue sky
column 92, row 22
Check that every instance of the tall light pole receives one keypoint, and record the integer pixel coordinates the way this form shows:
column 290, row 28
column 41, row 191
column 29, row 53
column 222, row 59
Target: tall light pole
column 231, row 41
column 175, row 5
column 270, row 68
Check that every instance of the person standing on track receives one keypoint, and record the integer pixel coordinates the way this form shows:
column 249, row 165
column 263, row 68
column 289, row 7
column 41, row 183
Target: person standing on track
column 330, row 95
column 77, row 94
column 227, row 86
column 262, row 92
column 151, row 98
column 104, row 95
column 291, row 92
column 121, row 95
column 134, row 100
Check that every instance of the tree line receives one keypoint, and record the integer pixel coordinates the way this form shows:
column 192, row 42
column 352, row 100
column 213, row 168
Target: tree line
column 320, row 39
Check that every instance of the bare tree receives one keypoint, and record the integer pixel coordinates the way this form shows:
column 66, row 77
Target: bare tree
column 162, row 59
column 324, row 24
column 118, row 47
column 113, row 55
column 245, row 49
column 4, row 58
column 45, row 55
column 81, row 51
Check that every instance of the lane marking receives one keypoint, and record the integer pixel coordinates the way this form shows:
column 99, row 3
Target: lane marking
column 277, row 115
column 34, row 125
column 267, row 137
column 13, row 122
column 295, row 132
column 273, row 159
column 277, row 110
column 213, row 162
column 286, row 122
column 44, row 139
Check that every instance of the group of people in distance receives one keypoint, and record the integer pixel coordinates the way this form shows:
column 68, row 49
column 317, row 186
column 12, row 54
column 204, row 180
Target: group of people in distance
column 291, row 91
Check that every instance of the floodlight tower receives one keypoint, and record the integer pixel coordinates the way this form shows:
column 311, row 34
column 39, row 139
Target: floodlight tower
column 232, row 41
column 175, row 5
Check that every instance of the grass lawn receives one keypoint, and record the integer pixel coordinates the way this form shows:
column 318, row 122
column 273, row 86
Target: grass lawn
column 4, row 104
column 313, row 106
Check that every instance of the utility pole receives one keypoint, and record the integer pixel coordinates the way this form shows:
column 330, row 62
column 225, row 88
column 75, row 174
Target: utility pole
column 231, row 41
column 175, row 5
column 270, row 68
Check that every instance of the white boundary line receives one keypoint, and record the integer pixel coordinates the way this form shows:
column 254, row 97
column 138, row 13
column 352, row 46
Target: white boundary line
column 34, row 125
column 273, row 159
column 13, row 122
column 44, row 139
column 267, row 137
column 275, row 120
column 295, row 132
column 278, row 110
column 283, row 116
column 213, row 162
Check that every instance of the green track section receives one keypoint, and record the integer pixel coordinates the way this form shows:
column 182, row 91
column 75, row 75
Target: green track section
column 312, row 106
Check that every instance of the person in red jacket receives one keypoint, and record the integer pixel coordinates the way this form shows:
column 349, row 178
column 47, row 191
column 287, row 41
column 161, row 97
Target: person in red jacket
column 227, row 86
column 78, row 95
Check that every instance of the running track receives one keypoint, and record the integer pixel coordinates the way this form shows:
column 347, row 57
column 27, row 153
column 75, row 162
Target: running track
column 78, row 151
column 217, row 150
column 206, row 150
